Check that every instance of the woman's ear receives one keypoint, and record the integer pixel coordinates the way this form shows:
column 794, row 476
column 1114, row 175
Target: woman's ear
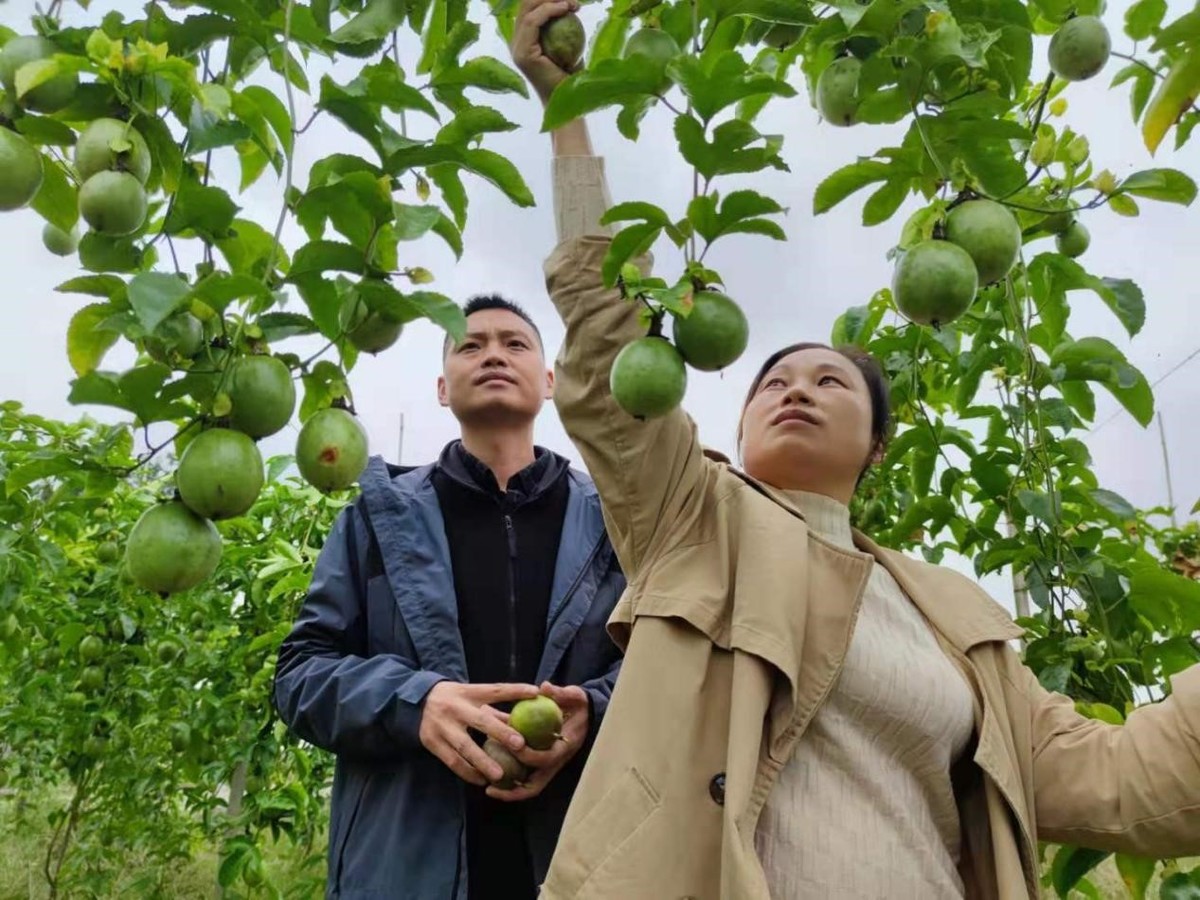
column 877, row 454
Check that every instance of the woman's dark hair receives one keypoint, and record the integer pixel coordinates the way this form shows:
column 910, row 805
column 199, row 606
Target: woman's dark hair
column 873, row 374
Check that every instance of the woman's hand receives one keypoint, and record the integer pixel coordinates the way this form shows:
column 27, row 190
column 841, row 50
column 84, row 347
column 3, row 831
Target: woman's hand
column 542, row 72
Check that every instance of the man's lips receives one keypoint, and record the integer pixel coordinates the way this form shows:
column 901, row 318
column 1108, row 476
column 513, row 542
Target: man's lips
column 495, row 376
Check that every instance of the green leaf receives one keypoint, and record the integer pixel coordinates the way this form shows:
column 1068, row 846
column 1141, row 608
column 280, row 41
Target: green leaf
column 56, row 200
column 21, row 476
column 1114, row 503
column 86, row 343
column 1039, row 504
column 1080, row 397
column 612, row 82
column 1181, row 886
column 629, row 119
column 633, row 211
column 440, row 310
column 1169, row 185
column 627, row 243
column 155, row 295
column 43, row 131
column 1170, row 601
column 356, row 112
column 357, row 203
column 448, row 231
column 845, row 181
column 220, row 289
column 1053, row 275
column 249, row 247
column 233, row 863
column 384, row 84
column 1143, row 18
column 728, row 152
column 1055, row 678
column 274, row 112
column 713, row 85
column 882, row 204
column 1095, row 359
column 1071, row 864
column 1136, row 871
column 472, row 122
column 318, row 257
column 786, row 11
column 378, row 19
column 488, row 165
column 108, row 286
column 206, row 211
column 276, row 326
column 102, row 253
column 609, row 38
column 253, row 162
column 485, row 73
column 447, row 179
column 166, row 157
column 413, row 222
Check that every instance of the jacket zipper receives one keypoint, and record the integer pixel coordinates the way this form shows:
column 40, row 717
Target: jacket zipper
column 512, row 597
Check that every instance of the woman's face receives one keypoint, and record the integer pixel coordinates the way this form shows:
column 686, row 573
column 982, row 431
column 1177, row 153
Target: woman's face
column 809, row 424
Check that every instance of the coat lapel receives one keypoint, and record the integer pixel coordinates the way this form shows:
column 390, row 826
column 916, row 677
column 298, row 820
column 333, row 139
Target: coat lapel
column 956, row 606
column 575, row 578
column 407, row 521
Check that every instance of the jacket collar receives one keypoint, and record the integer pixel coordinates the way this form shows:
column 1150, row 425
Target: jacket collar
column 957, row 607
column 406, row 518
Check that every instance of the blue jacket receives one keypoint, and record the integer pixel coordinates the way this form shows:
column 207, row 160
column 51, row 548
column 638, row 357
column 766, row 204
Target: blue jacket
column 378, row 629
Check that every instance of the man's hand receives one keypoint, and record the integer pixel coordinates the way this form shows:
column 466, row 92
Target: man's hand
column 542, row 72
column 451, row 708
column 546, row 764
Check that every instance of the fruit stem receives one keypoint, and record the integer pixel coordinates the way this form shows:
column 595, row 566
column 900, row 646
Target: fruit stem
column 1037, row 120
column 937, row 162
column 656, row 318
column 152, row 450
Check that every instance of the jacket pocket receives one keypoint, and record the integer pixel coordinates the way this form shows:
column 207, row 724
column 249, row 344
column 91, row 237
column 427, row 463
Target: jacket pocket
column 337, row 856
column 585, row 846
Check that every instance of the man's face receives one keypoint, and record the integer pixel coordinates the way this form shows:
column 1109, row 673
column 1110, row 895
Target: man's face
column 497, row 375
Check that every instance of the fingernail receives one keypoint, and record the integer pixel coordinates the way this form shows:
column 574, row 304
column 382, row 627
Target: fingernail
column 515, row 742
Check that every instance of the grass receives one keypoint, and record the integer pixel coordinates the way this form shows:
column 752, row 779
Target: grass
column 25, row 833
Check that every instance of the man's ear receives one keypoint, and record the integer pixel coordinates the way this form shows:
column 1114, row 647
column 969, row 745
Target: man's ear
column 442, row 394
column 549, row 395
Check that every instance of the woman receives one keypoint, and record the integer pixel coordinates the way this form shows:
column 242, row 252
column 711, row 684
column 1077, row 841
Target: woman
column 800, row 712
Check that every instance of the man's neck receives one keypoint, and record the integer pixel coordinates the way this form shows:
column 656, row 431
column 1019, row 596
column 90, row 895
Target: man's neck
column 506, row 452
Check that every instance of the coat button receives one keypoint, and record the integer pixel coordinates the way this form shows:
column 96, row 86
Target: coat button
column 716, row 789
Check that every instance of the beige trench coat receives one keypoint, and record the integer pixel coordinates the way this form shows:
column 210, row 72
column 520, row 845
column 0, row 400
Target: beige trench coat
column 735, row 624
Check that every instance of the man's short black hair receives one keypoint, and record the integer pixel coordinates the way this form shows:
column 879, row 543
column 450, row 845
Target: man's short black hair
column 480, row 302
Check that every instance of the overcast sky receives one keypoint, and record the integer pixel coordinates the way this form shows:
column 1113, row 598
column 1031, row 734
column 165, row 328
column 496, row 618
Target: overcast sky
column 790, row 291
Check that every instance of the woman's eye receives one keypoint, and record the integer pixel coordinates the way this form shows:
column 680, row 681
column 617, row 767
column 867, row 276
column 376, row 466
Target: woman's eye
column 832, row 378
column 773, row 382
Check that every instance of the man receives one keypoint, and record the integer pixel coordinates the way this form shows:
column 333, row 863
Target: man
column 442, row 592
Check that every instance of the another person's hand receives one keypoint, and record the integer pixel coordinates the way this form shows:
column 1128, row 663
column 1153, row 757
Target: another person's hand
column 452, row 709
column 542, row 72
column 547, row 763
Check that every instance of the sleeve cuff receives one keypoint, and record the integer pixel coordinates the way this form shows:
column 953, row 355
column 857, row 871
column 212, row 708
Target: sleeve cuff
column 581, row 196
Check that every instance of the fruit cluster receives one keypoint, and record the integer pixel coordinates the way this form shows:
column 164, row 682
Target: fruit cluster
column 649, row 375
column 174, row 545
